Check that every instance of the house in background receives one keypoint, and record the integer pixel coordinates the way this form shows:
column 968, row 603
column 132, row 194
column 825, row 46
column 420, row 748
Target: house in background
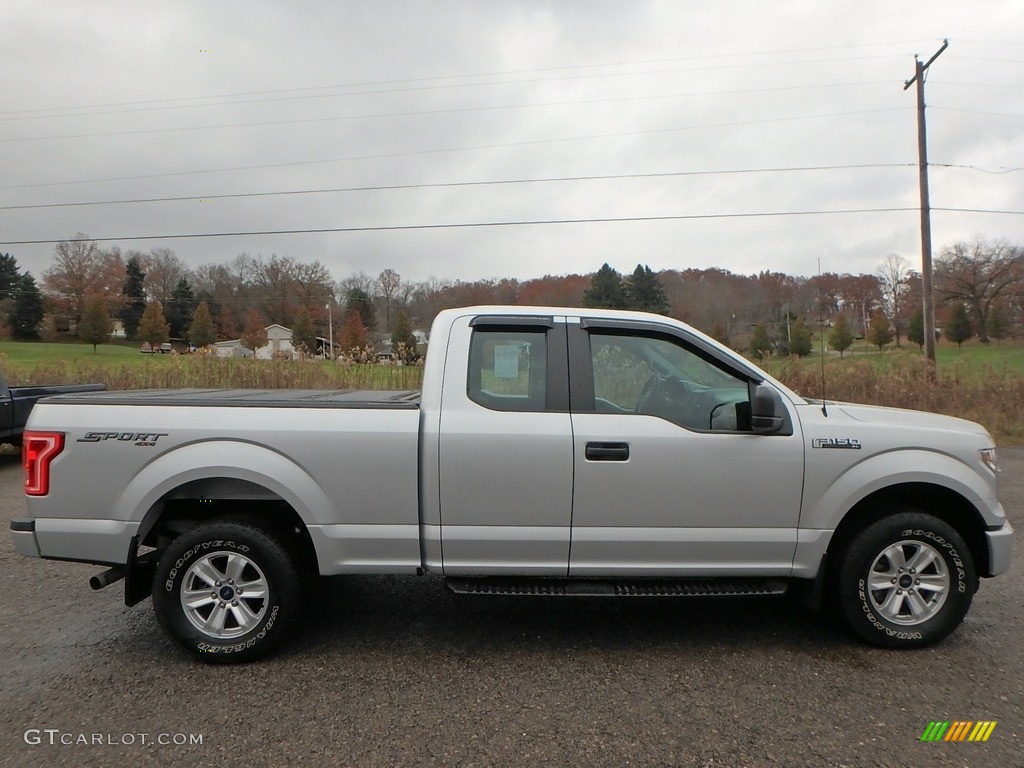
column 279, row 344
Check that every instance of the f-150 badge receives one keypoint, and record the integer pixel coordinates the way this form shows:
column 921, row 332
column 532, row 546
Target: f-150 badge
column 836, row 442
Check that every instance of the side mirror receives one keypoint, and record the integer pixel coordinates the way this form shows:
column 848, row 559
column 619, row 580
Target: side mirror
column 768, row 415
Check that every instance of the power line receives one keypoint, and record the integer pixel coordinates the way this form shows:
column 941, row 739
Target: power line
column 392, row 155
column 434, row 78
column 465, row 225
column 439, row 185
column 454, row 110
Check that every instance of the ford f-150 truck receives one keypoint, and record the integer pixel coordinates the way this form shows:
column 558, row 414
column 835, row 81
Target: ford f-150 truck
column 551, row 451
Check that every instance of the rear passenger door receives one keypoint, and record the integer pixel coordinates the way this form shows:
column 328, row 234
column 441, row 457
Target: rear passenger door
column 505, row 450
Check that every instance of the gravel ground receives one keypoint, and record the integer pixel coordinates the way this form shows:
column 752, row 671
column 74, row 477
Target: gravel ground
column 398, row 672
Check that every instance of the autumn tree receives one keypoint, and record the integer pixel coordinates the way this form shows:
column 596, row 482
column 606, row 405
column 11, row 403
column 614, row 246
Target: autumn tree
column 202, row 333
column 303, row 331
column 153, row 327
column 72, row 276
column 353, row 332
column 879, row 330
column 134, row 293
column 254, row 336
column 840, row 338
column 605, row 290
column 96, row 325
column 979, row 274
column 958, row 325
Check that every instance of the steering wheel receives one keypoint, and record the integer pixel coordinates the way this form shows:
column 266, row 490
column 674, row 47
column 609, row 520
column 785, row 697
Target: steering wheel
column 649, row 394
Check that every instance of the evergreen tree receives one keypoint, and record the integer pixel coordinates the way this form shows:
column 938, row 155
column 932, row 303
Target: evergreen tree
column 915, row 327
column 760, row 344
column 153, row 327
column 879, row 330
column 181, row 308
column 800, row 342
column 96, row 324
column 303, row 331
column 841, row 338
column 605, row 290
column 998, row 321
column 644, row 291
column 255, row 334
column 403, row 342
column 28, row 311
column 202, row 333
column 10, row 276
column 958, row 326
column 360, row 301
column 134, row 294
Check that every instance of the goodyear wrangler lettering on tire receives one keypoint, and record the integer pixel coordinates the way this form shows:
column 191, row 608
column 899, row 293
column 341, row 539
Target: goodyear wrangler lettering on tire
column 905, row 581
column 230, row 589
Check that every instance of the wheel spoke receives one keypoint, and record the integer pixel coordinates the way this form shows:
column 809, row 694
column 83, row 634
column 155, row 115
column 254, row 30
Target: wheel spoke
column 235, row 566
column 878, row 581
column 207, row 571
column 196, row 598
column 214, row 624
column 923, row 558
column 894, row 554
column 254, row 589
column 934, row 583
column 893, row 604
column 919, row 609
column 244, row 615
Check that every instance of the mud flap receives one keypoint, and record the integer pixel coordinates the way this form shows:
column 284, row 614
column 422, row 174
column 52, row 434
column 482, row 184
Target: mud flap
column 139, row 573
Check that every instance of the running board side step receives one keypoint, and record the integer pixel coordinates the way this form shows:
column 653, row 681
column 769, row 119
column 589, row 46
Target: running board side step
column 556, row 587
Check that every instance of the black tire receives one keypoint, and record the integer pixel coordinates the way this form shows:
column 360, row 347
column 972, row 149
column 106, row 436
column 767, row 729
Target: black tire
column 248, row 626
column 910, row 608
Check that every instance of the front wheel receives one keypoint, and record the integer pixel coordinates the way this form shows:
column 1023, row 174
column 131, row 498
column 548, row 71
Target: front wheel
column 906, row 581
column 226, row 591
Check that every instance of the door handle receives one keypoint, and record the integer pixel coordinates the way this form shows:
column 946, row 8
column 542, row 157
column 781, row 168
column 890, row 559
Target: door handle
column 607, row 452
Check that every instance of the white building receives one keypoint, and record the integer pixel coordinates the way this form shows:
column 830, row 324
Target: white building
column 279, row 344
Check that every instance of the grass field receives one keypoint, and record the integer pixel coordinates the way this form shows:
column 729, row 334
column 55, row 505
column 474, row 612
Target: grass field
column 983, row 383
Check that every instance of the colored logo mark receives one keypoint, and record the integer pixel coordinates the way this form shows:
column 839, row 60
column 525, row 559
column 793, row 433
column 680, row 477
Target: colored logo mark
column 959, row 730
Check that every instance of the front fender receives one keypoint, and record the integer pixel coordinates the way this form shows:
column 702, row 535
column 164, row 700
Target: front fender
column 890, row 468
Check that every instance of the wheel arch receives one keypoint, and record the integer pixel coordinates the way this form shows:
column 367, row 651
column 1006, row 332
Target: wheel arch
column 930, row 498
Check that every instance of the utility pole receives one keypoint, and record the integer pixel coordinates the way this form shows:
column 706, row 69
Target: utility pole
column 330, row 326
column 928, row 305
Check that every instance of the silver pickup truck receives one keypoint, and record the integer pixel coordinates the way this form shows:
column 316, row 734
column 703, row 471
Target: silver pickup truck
column 551, row 452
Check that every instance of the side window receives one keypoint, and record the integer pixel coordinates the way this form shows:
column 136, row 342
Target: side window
column 659, row 376
column 507, row 370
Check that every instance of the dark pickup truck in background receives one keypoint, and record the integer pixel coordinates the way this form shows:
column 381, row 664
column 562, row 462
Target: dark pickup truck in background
column 16, row 404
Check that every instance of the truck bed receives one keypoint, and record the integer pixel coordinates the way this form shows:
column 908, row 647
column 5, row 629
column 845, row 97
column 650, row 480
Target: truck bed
column 263, row 398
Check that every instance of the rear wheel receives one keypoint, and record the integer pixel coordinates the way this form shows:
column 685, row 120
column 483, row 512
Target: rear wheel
column 906, row 581
column 226, row 591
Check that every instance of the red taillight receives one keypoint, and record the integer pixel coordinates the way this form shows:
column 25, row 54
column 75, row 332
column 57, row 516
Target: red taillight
column 38, row 449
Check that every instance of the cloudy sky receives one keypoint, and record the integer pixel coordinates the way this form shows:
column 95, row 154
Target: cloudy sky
column 425, row 133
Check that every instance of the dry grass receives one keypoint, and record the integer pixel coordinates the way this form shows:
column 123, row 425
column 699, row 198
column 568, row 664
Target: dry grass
column 989, row 394
column 197, row 371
